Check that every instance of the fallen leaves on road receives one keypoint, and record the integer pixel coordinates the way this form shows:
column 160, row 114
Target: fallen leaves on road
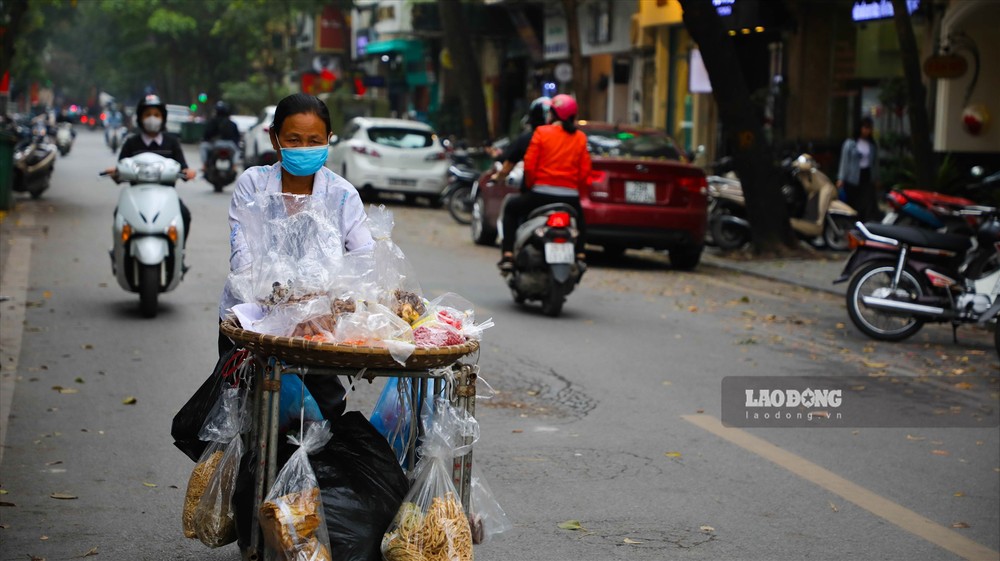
column 149, row 484
column 630, row 541
column 707, row 529
column 129, row 401
column 5, row 503
column 833, row 507
column 959, row 494
column 571, row 525
column 876, row 365
column 915, row 438
column 960, row 525
column 61, row 389
column 940, row 452
column 93, row 551
column 672, row 454
column 63, row 496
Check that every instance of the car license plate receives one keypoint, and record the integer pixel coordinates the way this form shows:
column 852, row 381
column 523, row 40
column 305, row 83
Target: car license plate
column 640, row 192
column 558, row 252
column 397, row 182
column 223, row 164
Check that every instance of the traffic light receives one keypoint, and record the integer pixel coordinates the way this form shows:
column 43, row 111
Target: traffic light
column 202, row 97
column 194, row 107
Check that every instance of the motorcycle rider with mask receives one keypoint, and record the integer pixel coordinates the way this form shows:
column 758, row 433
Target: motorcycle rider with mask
column 221, row 127
column 151, row 114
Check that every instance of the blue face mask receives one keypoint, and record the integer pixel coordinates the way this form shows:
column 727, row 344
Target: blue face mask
column 303, row 161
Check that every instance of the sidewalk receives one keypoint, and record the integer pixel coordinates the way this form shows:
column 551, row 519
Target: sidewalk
column 817, row 273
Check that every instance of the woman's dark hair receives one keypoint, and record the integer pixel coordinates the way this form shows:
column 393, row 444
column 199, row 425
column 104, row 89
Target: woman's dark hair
column 300, row 103
column 864, row 122
column 569, row 125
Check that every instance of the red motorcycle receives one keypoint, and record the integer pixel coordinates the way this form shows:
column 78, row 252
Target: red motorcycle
column 928, row 209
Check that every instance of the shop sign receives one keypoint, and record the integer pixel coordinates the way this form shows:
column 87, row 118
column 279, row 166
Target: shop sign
column 869, row 10
column 556, row 38
column 724, row 7
column 945, row 66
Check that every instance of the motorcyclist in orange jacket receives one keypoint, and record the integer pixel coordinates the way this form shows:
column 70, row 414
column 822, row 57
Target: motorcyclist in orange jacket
column 556, row 166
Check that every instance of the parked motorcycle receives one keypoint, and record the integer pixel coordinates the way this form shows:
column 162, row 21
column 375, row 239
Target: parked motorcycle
column 815, row 212
column 148, row 233
column 545, row 264
column 34, row 161
column 902, row 277
column 937, row 211
column 64, row 137
column 220, row 168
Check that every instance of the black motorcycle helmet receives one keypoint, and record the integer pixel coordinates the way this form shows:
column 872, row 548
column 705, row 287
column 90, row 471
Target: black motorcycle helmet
column 222, row 109
column 151, row 101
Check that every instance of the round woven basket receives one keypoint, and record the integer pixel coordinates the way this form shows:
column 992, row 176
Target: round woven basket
column 300, row 351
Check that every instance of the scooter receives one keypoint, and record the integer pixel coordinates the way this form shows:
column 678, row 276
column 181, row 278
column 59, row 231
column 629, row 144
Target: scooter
column 64, row 137
column 457, row 194
column 34, row 161
column 220, row 167
column 147, row 255
column 115, row 136
column 545, row 264
column 902, row 277
column 816, row 214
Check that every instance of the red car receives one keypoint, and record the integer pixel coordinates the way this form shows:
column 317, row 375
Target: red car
column 641, row 194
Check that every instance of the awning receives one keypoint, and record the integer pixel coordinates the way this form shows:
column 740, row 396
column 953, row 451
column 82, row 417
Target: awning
column 411, row 49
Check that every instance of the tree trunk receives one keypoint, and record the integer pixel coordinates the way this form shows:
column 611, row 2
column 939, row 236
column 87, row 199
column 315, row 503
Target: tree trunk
column 581, row 71
column 14, row 12
column 920, row 132
column 466, row 72
column 766, row 208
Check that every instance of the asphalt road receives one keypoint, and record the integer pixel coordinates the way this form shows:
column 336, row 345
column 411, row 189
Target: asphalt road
column 607, row 415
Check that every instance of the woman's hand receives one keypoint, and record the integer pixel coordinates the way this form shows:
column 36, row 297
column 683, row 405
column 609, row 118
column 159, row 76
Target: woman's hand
column 189, row 173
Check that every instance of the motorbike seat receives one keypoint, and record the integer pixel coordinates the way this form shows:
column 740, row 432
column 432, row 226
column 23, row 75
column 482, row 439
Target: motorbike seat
column 921, row 237
column 544, row 210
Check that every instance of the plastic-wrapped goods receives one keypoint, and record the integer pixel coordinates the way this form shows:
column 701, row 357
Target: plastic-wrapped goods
column 374, row 325
column 393, row 274
column 449, row 319
column 486, row 517
column 291, row 516
column 432, row 525
column 393, row 415
column 215, row 473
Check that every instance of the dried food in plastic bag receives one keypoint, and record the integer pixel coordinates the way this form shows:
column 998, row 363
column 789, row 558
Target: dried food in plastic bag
column 374, row 325
column 214, row 522
column 393, row 274
column 431, row 523
column 291, row 516
column 449, row 320
column 222, row 426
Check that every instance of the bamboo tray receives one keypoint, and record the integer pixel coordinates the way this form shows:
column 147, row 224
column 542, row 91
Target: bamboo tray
column 300, row 351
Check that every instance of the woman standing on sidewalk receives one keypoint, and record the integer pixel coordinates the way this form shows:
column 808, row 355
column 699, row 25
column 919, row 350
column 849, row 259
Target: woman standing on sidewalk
column 858, row 172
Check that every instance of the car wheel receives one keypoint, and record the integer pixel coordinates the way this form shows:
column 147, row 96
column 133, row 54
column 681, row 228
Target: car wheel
column 614, row 251
column 685, row 258
column 482, row 232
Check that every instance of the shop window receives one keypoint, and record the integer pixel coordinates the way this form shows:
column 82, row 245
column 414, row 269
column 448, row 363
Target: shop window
column 599, row 22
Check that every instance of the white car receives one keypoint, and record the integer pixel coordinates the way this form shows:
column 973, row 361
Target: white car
column 176, row 115
column 257, row 141
column 391, row 155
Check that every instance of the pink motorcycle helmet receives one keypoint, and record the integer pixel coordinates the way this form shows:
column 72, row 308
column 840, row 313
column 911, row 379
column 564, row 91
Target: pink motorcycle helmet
column 564, row 106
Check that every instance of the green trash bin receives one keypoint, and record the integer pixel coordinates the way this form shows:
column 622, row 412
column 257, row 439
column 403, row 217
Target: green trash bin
column 7, row 142
column 191, row 132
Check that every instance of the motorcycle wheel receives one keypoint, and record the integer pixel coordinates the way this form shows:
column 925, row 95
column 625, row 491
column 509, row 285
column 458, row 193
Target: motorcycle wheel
column 836, row 230
column 460, row 205
column 149, row 289
column 482, row 233
column 875, row 279
column 553, row 303
column 727, row 236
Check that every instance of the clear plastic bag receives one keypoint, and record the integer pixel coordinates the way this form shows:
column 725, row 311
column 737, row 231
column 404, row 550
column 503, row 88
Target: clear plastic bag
column 448, row 320
column 431, row 523
column 397, row 284
column 393, row 415
column 216, row 470
column 291, row 516
column 486, row 517
column 375, row 325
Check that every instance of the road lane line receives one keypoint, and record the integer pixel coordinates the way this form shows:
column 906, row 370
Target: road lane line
column 13, row 285
column 879, row 506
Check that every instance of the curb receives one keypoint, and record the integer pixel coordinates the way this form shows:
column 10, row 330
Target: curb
column 721, row 263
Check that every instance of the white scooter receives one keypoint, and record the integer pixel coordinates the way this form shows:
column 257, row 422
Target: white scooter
column 148, row 234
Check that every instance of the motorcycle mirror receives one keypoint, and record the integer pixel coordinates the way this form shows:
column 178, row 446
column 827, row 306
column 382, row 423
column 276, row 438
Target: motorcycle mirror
column 334, row 140
column 977, row 171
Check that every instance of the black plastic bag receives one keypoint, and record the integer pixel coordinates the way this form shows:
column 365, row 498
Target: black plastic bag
column 362, row 486
column 191, row 416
